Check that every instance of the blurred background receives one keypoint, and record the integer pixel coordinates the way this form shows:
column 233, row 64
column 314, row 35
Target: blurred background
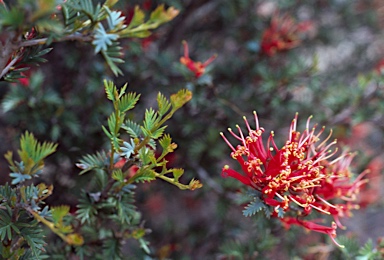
column 317, row 57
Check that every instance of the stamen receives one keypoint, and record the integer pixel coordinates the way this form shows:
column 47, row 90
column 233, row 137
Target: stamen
column 298, row 203
column 319, row 209
column 256, row 120
column 234, row 135
column 242, row 136
column 326, row 202
column 333, row 239
column 308, row 120
column 326, row 139
column 336, row 218
column 246, row 123
column 228, row 143
column 280, row 197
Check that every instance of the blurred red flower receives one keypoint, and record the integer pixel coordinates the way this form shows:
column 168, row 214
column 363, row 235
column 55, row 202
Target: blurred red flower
column 297, row 178
column 283, row 34
column 380, row 67
column 197, row 67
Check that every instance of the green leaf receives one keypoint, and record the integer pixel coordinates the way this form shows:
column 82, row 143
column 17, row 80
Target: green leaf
column 32, row 152
column 110, row 136
column 139, row 28
column 137, row 19
column 31, row 148
column 92, row 161
column 128, row 101
column 163, row 104
column 180, row 98
column 253, row 207
column 32, row 233
column 110, row 3
column 43, row 8
column 280, row 212
column 118, row 175
column 126, row 209
column 87, row 7
column 102, row 39
column 158, row 133
column 58, row 213
column 177, row 173
column 112, row 57
column 150, row 119
column 367, row 252
column 49, row 26
column 165, row 142
column 351, row 246
column 127, row 149
column 112, row 249
column 132, row 128
column 145, row 175
column 147, row 156
column 5, row 226
column 110, row 89
column 144, row 245
column 8, row 194
column 34, row 55
column 137, row 34
column 114, row 124
column 19, row 178
column 115, row 19
column 13, row 18
column 160, row 15
column 86, row 210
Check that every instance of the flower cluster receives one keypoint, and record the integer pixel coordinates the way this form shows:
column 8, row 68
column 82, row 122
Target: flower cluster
column 283, row 34
column 297, row 178
column 196, row 67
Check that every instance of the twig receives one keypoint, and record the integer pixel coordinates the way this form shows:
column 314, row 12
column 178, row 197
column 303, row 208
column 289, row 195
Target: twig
column 71, row 37
column 8, row 67
column 29, row 43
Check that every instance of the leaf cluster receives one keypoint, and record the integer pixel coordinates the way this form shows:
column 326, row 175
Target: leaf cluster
column 33, row 23
column 32, row 154
column 22, row 206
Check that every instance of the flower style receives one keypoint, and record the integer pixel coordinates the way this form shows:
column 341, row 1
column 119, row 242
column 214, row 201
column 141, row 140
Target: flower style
column 283, row 34
column 196, row 67
column 297, row 178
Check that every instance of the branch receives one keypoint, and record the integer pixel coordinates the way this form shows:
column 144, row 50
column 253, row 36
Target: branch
column 71, row 37
column 8, row 49
column 8, row 67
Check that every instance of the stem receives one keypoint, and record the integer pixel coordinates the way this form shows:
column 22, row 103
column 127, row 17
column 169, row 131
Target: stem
column 104, row 193
column 116, row 131
column 8, row 48
column 17, row 244
column 8, row 67
column 147, row 138
column 71, row 37
column 172, row 181
column 50, row 225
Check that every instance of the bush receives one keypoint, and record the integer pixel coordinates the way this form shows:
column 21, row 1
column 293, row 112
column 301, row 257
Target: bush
column 90, row 189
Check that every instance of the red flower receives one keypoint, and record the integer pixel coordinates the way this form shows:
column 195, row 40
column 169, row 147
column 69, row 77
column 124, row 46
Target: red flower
column 283, row 34
column 24, row 80
column 196, row 67
column 298, row 177
column 380, row 67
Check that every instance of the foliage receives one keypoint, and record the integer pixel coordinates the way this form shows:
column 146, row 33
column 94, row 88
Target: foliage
column 106, row 213
column 277, row 57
